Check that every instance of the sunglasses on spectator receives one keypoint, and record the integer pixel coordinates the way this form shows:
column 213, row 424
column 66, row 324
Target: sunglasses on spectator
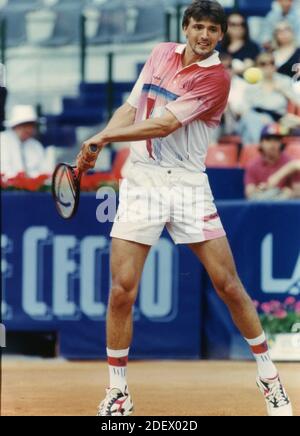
column 266, row 64
column 235, row 24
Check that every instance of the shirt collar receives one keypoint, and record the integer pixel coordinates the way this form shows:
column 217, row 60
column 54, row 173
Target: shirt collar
column 209, row 62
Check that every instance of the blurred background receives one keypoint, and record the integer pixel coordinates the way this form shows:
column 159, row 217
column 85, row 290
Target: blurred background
column 68, row 65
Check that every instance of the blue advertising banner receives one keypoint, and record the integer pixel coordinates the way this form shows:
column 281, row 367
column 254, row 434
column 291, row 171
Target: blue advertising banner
column 265, row 240
column 56, row 277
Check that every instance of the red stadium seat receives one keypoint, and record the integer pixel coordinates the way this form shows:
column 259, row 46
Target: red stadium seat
column 248, row 153
column 119, row 161
column 230, row 139
column 293, row 150
column 222, row 156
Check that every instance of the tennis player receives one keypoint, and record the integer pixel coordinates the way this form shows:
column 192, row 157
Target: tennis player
column 176, row 103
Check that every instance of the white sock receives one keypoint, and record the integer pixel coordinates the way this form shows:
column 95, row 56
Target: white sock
column 266, row 368
column 117, row 364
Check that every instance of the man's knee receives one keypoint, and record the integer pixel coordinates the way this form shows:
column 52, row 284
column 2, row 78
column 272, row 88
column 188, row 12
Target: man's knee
column 231, row 290
column 122, row 295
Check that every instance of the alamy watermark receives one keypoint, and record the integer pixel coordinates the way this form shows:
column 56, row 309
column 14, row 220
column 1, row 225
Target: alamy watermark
column 2, row 336
column 146, row 204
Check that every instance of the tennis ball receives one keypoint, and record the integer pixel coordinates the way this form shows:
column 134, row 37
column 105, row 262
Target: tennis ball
column 253, row 75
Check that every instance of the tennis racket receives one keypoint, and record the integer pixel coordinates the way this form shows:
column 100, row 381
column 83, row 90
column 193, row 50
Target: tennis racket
column 66, row 188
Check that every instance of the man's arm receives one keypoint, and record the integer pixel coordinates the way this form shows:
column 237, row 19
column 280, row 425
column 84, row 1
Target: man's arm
column 286, row 171
column 148, row 129
column 124, row 116
column 151, row 128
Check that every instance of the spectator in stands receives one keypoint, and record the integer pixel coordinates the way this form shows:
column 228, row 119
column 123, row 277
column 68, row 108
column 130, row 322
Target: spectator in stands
column 20, row 151
column 290, row 169
column 237, row 42
column 267, row 101
column 287, row 52
column 286, row 10
column 230, row 120
column 261, row 169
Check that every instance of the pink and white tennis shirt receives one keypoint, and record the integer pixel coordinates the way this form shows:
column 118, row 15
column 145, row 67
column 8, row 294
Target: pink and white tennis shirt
column 197, row 95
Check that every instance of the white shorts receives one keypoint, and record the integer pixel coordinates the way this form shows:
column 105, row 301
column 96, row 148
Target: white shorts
column 154, row 197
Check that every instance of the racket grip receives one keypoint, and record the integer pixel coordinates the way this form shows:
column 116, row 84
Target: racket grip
column 93, row 148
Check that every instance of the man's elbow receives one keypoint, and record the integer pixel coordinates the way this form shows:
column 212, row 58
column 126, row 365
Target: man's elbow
column 165, row 131
column 168, row 128
column 127, row 108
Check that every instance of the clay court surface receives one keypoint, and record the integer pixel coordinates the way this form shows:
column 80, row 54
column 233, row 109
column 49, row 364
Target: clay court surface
column 159, row 388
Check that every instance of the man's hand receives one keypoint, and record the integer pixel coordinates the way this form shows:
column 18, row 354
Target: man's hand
column 262, row 187
column 89, row 153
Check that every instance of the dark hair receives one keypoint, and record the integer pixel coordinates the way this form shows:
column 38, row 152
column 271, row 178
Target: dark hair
column 227, row 40
column 210, row 9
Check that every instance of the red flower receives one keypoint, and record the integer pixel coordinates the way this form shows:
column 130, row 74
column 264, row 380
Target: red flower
column 297, row 308
column 266, row 308
column 275, row 305
column 281, row 314
column 22, row 182
column 91, row 182
column 290, row 301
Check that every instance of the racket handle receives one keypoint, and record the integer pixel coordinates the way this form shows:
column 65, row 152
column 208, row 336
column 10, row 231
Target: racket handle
column 93, row 148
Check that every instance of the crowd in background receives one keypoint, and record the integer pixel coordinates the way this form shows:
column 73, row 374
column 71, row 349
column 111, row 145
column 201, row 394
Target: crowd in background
column 251, row 108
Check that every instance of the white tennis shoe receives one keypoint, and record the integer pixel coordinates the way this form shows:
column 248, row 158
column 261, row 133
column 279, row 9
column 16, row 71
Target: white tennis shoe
column 116, row 403
column 277, row 400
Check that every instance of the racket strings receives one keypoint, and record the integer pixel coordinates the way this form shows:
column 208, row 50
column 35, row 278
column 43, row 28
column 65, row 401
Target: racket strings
column 65, row 190
column 71, row 180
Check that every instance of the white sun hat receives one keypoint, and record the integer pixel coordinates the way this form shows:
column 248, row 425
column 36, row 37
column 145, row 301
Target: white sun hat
column 22, row 114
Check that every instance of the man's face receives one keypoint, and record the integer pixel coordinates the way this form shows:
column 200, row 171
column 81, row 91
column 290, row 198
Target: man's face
column 236, row 26
column 203, row 36
column 271, row 148
column 285, row 5
column 25, row 131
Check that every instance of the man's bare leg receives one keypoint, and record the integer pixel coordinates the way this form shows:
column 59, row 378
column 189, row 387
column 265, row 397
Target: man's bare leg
column 127, row 263
column 216, row 257
column 218, row 261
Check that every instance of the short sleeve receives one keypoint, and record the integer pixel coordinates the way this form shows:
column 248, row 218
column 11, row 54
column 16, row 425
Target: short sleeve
column 135, row 94
column 146, row 72
column 206, row 100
